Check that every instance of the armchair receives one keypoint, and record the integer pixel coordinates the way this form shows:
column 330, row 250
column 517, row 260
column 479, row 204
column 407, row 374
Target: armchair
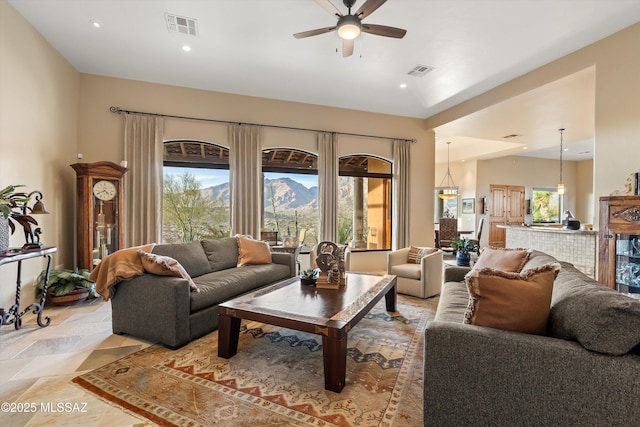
column 422, row 280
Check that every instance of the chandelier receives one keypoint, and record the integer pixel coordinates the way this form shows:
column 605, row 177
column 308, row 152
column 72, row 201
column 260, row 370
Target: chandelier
column 450, row 191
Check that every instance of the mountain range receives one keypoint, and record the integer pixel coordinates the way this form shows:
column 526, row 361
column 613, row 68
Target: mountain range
column 288, row 194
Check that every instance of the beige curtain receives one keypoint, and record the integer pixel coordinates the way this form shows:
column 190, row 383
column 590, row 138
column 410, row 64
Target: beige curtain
column 245, row 167
column 143, row 137
column 400, row 203
column 327, row 187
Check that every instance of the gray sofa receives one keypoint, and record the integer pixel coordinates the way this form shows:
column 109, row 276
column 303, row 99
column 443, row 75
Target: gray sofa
column 584, row 372
column 162, row 309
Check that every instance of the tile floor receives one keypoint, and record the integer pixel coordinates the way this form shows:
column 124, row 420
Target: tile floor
column 37, row 365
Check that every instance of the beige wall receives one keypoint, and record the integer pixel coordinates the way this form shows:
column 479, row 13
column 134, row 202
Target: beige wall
column 617, row 101
column 38, row 123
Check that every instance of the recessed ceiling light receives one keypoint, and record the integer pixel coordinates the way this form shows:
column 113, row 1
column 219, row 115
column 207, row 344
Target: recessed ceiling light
column 525, row 148
column 403, row 85
column 566, row 149
column 96, row 24
column 186, row 48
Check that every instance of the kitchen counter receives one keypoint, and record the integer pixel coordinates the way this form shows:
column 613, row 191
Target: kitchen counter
column 579, row 247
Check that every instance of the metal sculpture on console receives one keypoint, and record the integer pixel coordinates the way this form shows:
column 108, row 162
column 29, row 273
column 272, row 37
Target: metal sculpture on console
column 16, row 208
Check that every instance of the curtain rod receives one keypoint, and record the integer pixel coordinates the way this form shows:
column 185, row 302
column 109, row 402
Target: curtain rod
column 118, row 110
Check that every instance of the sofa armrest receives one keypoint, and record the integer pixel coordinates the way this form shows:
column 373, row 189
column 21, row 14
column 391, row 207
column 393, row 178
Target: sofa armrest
column 397, row 257
column 285, row 258
column 483, row 376
column 153, row 307
column 455, row 273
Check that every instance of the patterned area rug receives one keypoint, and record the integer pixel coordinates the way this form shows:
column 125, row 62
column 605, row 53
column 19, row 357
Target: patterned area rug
column 277, row 378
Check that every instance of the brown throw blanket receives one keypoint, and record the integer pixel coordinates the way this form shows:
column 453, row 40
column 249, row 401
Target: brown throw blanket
column 116, row 267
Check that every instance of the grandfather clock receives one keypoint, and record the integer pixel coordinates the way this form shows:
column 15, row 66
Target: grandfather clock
column 99, row 188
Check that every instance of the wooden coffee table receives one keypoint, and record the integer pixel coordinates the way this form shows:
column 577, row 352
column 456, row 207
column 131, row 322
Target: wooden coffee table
column 326, row 312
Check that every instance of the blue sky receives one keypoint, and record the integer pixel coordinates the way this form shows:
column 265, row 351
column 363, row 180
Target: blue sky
column 211, row 177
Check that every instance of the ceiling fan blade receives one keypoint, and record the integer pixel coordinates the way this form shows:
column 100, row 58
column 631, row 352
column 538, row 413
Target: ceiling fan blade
column 329, row 7
column 347, row 47
column 383, row 30
column 368, row 8
column 313, row 32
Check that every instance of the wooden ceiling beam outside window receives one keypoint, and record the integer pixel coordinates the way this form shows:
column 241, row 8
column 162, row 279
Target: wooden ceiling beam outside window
column 193, row 152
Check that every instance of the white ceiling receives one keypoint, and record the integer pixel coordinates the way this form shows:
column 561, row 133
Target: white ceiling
column 247, row 47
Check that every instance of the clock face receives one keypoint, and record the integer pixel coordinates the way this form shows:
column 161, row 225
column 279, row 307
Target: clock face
column 104, row 190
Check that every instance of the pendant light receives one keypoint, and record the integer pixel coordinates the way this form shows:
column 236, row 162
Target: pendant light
column 561, row 184
column 450, row 191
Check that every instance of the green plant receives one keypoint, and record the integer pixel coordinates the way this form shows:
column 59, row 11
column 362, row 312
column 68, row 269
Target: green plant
column 310, row 273
column 464, row 246
column 61, row 282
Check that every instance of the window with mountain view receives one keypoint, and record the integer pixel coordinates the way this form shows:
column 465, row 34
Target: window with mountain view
column 196, row 199
column 290, row 194
column 364, row 202
column 195, row 202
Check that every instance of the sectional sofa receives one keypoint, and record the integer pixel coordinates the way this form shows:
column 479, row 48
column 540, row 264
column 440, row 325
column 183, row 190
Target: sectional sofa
column 583, row 371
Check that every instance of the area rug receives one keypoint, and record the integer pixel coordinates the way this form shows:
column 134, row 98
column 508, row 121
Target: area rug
column 277, row 378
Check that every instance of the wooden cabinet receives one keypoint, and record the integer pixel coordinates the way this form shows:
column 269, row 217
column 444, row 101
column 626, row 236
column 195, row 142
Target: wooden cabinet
column 99, row 188
column 619, row 243
column 506, row 208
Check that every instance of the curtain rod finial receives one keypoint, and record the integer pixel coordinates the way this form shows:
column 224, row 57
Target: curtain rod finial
column 115, row 109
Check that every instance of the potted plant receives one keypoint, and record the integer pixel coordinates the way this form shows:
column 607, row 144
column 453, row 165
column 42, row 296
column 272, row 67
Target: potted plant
column 67, row 287
column 463, row 248
column 309, row 276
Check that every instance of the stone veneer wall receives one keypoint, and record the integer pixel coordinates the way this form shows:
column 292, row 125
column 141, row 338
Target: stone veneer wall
column 576, row 247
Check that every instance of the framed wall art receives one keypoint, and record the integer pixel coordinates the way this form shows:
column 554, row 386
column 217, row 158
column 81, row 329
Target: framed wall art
column 468, row 206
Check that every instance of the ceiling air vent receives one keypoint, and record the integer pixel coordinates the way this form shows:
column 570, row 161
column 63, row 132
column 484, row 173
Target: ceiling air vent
column 180, row 24
column 420, row 70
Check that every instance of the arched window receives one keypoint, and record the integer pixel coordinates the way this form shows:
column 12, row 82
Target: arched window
column 290, row 194
column 195, row 191
column 364, row 202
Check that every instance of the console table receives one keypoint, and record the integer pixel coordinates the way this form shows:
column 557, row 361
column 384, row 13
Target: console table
column 13, row 315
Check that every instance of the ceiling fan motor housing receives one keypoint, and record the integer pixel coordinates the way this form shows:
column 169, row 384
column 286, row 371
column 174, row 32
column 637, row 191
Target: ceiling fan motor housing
column 349, row 4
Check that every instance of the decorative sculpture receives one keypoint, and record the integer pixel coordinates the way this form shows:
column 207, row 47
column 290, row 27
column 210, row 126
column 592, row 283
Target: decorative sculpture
column 330, row 261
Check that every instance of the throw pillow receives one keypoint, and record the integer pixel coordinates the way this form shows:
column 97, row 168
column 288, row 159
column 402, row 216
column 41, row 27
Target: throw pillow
column 251, row 252
column 165, row 266
column 416, row 254
column 505, row 259
column 517, row 302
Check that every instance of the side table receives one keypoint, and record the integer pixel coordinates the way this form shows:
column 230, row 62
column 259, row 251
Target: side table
column 13, row 315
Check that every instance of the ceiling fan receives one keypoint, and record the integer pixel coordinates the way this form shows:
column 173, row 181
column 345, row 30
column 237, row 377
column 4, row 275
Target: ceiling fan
column 350, row 25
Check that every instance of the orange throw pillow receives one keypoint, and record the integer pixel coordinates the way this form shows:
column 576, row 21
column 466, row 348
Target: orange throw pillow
column 517, row 302
column 504, row 259
column 165, row 266
column 251, row 252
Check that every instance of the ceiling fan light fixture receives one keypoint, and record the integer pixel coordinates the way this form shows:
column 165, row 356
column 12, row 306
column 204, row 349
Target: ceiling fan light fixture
column 349, row 27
